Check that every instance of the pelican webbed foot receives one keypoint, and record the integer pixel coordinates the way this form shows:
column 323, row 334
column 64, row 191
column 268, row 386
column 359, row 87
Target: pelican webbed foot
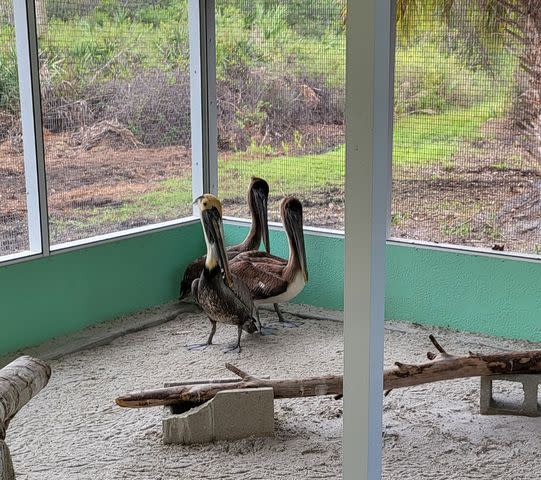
column 202, row 346
column 235, row 348
column 283, row 321
column 198, row 347
column 261, row 329
column 264, row 331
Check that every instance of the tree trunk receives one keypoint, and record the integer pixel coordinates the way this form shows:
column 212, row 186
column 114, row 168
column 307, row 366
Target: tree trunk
column 6, row 467
column 441, row 366
column 192, row 395
column 20, row 380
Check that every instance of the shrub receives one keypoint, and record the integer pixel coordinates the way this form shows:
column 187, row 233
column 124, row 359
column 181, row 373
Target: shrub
column 9, row 83
column 271, row 105
column 154, row 105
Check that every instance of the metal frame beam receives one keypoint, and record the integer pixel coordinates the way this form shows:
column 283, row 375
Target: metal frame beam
column 203, row 97
column 368, row 171
column 30, row 98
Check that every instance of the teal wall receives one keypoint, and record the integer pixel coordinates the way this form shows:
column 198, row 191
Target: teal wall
column 44, row 298
column 475, row 293
column 47, row 297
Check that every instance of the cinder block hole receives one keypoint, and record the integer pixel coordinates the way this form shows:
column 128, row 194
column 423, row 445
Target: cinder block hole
column 506, row 392
column 183, row 408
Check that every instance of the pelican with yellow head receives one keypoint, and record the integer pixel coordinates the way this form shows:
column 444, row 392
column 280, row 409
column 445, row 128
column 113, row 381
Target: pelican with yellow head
column 220, row 294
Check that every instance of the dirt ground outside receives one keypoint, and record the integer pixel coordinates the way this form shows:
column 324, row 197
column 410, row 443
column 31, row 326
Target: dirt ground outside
column 488, row 196
column 73, row 429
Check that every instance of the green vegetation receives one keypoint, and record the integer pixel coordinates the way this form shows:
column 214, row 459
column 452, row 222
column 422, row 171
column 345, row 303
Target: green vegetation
column 280, row 71
column 422, row 139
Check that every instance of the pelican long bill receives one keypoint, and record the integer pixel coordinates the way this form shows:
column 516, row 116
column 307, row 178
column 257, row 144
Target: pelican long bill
column 213, row 225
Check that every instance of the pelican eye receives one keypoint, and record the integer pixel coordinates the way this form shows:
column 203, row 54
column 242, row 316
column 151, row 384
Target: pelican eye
column 204, row 204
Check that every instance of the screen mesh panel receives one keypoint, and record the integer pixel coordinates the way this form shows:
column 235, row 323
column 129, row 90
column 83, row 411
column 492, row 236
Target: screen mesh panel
column 280, row 93
column 462, row 171
column 116, row 114
column 13, row 218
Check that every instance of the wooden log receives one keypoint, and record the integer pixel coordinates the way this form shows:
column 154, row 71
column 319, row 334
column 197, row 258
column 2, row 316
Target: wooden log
column 6, row 467
column 440, row 367
column 443, row 366
column 197, row 394
column 20, row 380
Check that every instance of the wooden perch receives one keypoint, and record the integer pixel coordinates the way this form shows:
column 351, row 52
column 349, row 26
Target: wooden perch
column 440, row 366
column 21, row 380
column 443, row 366
column 199, row 393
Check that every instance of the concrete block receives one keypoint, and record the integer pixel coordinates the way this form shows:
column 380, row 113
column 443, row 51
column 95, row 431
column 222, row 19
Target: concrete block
column 529, row 407
column 230, row 415
column 243, row 413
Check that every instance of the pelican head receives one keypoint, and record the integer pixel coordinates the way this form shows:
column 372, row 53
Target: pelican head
column 258, row 195
column 210, row 209
column 291, row 211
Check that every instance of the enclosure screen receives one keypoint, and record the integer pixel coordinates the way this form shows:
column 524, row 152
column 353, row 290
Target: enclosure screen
column 13, row 219
column 466, row 130
column 280, row 70
column 116, row 114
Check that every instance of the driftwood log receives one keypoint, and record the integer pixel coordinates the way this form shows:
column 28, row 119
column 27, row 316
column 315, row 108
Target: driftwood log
column 196, row 394
column 439, row 367
column 20, row 380
column 443, row 366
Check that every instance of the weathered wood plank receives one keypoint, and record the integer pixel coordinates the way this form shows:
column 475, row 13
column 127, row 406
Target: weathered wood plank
column 439, row 367
column 20, row 380
column 6, row 467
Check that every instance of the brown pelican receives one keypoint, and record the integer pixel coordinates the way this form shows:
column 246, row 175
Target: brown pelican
column 258, row 193
column 221, row 295
column 272, row 279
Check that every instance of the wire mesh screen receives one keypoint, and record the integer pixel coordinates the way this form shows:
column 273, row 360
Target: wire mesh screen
column 280, row 70
column 464, row 171
column 116, row 113
column 13, row 219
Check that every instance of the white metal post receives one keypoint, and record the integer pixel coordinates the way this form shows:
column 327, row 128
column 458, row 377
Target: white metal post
column 368, row 162
column 203, row 96
column 30, row 98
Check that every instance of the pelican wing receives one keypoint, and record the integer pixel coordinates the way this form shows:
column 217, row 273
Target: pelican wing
column 256, row 256
column 194, row 269
column 266, row 261
column 192, row 272
column 242, row 293
column 260, row 278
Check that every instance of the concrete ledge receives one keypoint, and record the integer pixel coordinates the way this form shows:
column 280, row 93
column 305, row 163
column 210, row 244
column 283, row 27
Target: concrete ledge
column 103, row 333
column 230, row 415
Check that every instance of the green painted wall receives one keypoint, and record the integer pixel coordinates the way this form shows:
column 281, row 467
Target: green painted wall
column 44, row 298
column 476, row 293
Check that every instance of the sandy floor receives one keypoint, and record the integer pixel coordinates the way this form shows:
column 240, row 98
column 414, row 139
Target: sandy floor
column 73, row 430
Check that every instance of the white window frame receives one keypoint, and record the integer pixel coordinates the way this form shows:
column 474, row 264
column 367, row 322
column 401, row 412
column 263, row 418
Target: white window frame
column 203, row 126
column 204, row 142
column 30, row 105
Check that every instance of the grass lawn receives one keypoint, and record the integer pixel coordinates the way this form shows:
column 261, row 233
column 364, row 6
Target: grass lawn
column 423, row 139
